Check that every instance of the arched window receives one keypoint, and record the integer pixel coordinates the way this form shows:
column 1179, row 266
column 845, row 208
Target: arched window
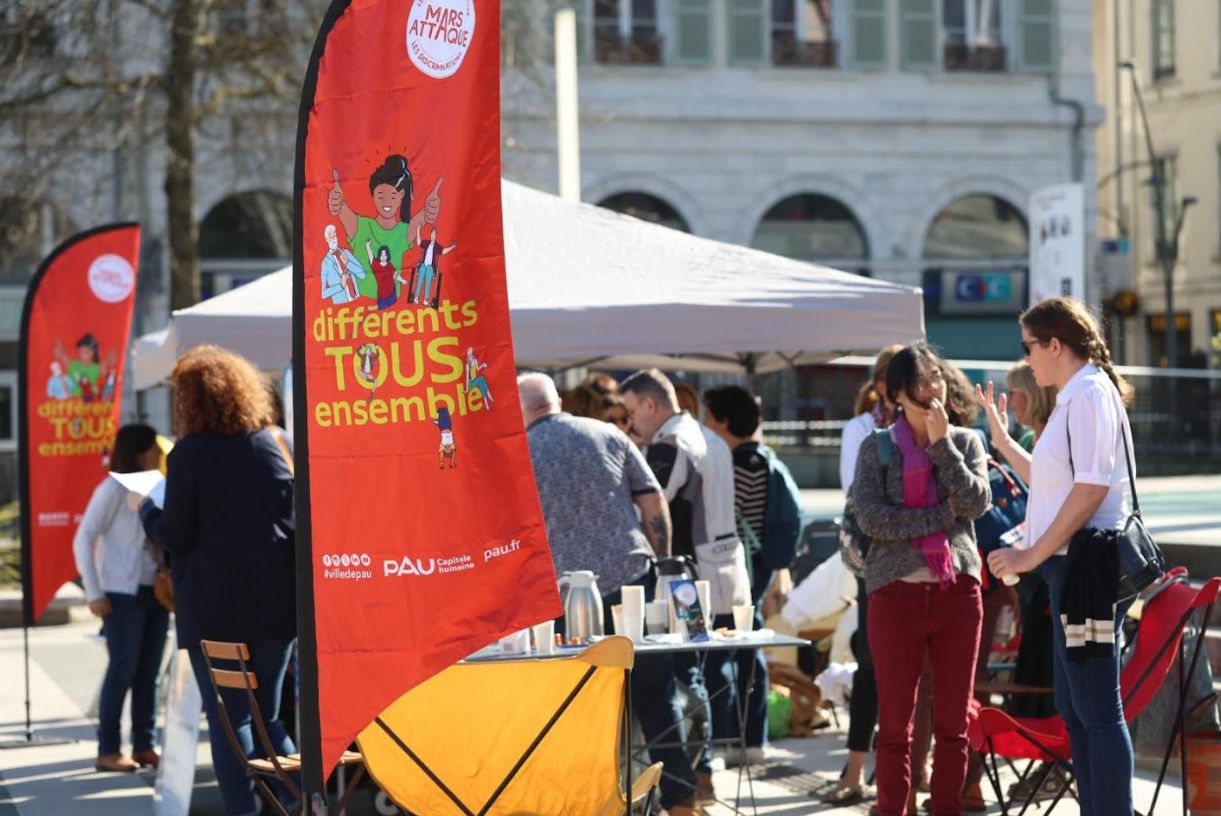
column 647, row 208
column 977, row 226
column 816, row 228
column 244, row 237
column 248, row 225
column 29, row 231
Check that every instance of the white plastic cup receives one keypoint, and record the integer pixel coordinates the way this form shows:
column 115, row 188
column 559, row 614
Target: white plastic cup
column 544, row 637
column 632, row 619
column 634, row 599
column 704, row 590
column 744, row 617
column 633, row 612
column 1010, row 579
column 517, row 643
column 657, row 617
column 617, row 618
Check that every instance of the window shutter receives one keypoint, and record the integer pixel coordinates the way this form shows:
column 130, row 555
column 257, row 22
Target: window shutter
column 869, row 34
column 918, row 25
column 693, row 43
column 748, row 30
column 1038, row 35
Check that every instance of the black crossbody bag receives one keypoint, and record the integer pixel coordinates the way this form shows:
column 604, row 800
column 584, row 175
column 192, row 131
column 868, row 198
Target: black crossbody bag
column 1141, row 562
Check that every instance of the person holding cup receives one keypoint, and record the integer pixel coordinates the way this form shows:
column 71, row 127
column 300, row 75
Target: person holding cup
column 1079, row 474
column 591, row 481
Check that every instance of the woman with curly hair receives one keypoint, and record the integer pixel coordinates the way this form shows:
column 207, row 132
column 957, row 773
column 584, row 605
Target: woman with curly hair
column 228, row 526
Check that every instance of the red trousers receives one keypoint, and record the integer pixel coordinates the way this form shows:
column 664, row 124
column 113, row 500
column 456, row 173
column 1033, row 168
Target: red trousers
column 908, row 622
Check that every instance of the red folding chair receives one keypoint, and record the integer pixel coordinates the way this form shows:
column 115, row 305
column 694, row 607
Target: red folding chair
column 1158, row 636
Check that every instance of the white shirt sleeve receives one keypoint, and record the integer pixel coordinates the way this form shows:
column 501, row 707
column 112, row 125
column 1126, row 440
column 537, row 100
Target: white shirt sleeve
column 97, row 519
column 1093, row 424
column 855, row 432
column 678, row 476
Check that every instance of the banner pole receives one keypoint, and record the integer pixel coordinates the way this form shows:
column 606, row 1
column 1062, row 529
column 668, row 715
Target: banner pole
column 309, row 738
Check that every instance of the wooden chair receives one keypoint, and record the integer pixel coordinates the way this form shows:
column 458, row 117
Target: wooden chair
column 260, row 770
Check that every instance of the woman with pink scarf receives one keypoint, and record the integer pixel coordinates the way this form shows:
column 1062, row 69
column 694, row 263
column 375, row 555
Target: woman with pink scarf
column 922, row 575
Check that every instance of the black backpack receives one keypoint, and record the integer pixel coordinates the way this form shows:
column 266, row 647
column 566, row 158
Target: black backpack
column 853, row 543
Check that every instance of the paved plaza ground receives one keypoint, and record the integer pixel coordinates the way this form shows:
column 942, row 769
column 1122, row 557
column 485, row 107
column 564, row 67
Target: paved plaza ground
column 68, row 662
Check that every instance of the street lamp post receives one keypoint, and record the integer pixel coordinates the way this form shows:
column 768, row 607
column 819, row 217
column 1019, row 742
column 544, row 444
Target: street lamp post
column 1167, row 246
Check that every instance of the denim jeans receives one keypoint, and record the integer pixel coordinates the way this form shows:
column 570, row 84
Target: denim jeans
column 135, row 634
column 720, row 672
column 269, row 663
column 656, row 707
column 1089, row 702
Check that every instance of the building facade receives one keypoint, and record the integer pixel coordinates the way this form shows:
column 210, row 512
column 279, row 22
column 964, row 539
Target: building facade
column 895, row 139
column 1171, row 50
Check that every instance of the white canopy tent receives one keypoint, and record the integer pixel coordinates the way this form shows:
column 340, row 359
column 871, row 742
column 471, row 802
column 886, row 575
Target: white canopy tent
column 589, row 286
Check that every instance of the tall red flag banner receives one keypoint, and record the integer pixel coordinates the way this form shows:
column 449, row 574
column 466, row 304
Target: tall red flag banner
column 74, row 332
column 419, row 533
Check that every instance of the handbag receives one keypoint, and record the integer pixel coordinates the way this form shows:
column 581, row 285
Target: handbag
column 163, row 588
column 1141, row 563
column 163, row 580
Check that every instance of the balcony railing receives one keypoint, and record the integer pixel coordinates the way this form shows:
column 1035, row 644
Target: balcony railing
column 792, row 53
column 960, row 57
column 638, row 49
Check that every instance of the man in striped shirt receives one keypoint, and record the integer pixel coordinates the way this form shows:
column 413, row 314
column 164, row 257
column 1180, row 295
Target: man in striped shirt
column 768, row 511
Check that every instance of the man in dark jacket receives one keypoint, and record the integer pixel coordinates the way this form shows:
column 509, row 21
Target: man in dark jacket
column 768, row 511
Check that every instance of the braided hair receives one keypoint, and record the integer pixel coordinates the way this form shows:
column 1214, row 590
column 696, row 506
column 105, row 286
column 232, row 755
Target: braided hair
column 1071, row 322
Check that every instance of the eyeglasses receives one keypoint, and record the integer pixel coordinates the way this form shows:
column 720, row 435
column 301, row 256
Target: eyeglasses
column 1026, row 346
column 923, row 383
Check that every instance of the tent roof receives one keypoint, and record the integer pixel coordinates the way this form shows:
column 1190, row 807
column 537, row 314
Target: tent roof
column 587, row 285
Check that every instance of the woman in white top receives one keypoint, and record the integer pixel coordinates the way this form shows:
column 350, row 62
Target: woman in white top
column 1070, row 490
column 872, row 412
column 117, row 569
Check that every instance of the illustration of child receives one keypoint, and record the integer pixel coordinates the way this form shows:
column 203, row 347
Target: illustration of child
column 476, row 380
column 448, row 449
column 385, row 273
column 368, row 368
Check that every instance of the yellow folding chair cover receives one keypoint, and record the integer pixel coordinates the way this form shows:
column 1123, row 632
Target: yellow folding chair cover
column 472, row 723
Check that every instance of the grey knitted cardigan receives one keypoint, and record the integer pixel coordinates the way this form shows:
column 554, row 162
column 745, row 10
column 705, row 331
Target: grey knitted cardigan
column 960, row 466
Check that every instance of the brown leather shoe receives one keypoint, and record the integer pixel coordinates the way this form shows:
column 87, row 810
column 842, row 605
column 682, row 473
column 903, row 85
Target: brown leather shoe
column 115, row 763
column 147, row 759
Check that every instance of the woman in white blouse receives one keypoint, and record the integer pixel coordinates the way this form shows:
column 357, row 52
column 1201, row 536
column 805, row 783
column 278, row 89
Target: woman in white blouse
column 1070, row 490
column 117, row 569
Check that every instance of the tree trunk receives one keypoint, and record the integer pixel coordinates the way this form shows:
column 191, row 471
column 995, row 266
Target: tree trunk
column 180, row 158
